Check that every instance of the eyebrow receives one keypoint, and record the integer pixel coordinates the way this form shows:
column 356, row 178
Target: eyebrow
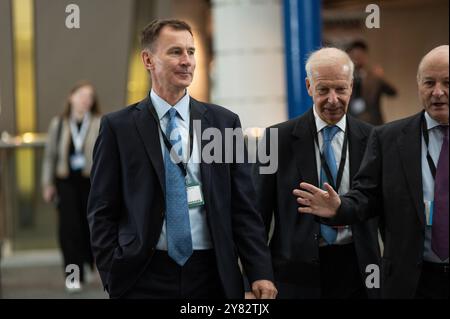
column 430, row 78
column 179, row 47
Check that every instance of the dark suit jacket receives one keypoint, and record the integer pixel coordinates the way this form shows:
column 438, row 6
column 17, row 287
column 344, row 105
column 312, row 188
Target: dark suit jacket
column 294, row 244
column 391, row 175
column 126, row 204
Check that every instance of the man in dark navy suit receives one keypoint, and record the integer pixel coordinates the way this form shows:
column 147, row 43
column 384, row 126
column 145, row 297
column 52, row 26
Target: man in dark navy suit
column 165, row 223
column 312, row 260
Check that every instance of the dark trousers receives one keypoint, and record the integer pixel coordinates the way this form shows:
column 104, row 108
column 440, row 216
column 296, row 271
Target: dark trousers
column 165, row 279
column 73, row 229
column 340, row 276
column 433, row 282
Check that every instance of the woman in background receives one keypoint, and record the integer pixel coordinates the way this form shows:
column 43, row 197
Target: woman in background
column 66, row 169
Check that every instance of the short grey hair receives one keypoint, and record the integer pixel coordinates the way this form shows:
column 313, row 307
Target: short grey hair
column 329, row 56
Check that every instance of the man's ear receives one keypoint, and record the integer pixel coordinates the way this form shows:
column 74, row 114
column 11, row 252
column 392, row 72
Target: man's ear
column 309, row 86
column 147, row 59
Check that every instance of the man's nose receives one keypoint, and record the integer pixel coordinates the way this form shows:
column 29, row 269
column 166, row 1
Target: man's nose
column 332, row 97
column 185, row 59
column 438, row 89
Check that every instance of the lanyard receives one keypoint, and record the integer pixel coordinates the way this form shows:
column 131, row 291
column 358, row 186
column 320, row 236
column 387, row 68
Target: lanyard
column 426, row 138
column 78, row 135
column 180, row 163
column 341, row 164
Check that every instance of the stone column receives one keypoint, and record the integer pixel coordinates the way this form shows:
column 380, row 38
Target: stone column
column 248, row 68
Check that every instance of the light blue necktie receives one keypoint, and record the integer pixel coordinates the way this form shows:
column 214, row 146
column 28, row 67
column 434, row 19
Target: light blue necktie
column 179, row 241
column 328, row 233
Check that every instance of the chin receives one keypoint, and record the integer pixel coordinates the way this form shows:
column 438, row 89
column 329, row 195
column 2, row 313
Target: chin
column 184, row 84
column 440, row 115
column 333, row 119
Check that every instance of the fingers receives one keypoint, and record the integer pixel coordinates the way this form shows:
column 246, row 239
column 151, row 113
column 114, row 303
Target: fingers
column 264, row 289
column 257, row 293
column 330, row 189
column 310, row 188
column 305, row 195
column 250, row 295
column 307, row 210
column 303, row 201
column 266, row 293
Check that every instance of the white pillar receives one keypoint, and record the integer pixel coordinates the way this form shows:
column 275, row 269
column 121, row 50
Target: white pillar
column 248, row 70
column 195, row 13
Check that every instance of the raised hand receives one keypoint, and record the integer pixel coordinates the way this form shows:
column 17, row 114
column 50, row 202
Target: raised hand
column 316, row 201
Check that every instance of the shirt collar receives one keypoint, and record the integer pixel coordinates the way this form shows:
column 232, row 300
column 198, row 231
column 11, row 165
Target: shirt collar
column 320, row 124
column 431, row 123
column 162, row 107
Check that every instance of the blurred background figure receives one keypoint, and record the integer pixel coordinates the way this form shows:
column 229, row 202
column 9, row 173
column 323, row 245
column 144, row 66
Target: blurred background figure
column 369, row 85
column 66, row 169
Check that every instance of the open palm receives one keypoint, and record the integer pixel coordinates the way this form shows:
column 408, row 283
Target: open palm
column 315, row 201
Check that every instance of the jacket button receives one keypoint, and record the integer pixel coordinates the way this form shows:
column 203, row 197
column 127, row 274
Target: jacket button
column 316, row 236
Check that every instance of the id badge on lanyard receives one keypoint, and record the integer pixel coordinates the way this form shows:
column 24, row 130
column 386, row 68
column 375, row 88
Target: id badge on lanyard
column 78, row 160
column 194, row 195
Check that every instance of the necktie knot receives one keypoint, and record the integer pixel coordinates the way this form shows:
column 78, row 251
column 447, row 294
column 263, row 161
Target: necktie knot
column 172, row 113
column 329, row 132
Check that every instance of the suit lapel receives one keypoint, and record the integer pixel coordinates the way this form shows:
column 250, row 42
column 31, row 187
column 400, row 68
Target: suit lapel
column 356, row 146
column 200, row 112
column 303, row 148
column 149, row 133
column 409, row 145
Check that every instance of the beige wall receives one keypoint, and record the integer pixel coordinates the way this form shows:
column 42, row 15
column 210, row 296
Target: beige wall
column 408, row 30
column 98, row 51
column 7, row 120
column 406, row 35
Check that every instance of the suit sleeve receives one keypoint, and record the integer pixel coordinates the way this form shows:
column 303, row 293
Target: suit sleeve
column 364, row 200
column 265, row 186
column 104, row 199
column 248, row 227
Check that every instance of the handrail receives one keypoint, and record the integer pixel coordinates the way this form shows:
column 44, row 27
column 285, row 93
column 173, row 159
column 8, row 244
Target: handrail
column 23, row 140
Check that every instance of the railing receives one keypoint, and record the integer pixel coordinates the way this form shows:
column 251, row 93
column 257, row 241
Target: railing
column 26, row 222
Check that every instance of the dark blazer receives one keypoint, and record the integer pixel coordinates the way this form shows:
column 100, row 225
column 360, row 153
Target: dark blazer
column 391, row 177
column 127, row 206
column 294, row 243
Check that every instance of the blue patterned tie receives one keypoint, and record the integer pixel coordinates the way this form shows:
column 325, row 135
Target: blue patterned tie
column 328, row 233
column 179, row 241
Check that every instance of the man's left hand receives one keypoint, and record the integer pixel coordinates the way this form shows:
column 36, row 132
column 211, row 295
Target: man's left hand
column 264, row 289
